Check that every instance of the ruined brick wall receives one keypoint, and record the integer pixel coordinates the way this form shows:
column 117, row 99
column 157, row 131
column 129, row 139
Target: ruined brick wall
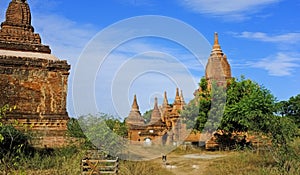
column 38, row 89
column 35, row 86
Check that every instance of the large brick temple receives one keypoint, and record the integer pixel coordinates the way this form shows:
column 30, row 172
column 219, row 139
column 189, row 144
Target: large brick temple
column 32, row 79
column 166, row 126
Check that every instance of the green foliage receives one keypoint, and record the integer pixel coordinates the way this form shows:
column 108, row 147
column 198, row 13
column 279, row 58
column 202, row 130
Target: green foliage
column 147, row 115
column 49, row 161
column 203, row 84
column 102, row 130
column 248, row 106
column 290, row 108
column 215, row 114
column 196, row 112
column 116, row 126
column 13, row 147
column 13, row 143
column 74, row 129
column 3, row 111
column 283, row 131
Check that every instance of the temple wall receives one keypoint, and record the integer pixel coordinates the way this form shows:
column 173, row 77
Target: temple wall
column 34, row 86
column 38, row 90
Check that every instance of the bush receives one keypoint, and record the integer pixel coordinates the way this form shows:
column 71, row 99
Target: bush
column 13, row 147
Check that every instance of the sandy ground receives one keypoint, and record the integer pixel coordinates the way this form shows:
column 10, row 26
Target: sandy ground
column 190, row 164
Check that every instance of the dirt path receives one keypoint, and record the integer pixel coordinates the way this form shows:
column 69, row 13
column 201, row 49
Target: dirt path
column 190, row 164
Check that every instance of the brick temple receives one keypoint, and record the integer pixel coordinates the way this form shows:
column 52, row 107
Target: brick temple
column 163, row 126
column 32, row 79
column 166, row 126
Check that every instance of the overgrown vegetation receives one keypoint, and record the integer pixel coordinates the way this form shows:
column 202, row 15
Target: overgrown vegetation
column 249, row 108
column 251, row 164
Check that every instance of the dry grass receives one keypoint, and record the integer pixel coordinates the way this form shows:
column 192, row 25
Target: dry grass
column 249, row 163
column 232, row 163
column 143, row 168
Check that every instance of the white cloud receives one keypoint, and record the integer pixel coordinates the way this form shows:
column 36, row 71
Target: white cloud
column 144, row 69
column 287, row 38
column 230, row 9
column 65, row 37
column 281, row 64
column 136, row 47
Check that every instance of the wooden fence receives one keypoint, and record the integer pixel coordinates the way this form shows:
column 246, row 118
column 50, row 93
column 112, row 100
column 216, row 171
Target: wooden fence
column 97, row 167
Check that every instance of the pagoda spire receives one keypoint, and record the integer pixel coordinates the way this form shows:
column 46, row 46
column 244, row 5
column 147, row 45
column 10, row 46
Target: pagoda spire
column 155, row 115
column 165, row 99
column 216, row 47
column 155, row 103
column 177, row 105
column 134, row 117
column 165, row 108
column 135, row 106
column 216, row 43
column 177, row 97
column 182, row 98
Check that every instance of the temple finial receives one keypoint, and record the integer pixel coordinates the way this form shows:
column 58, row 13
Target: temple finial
column 165, row 99
column 177, row 97
column 155, row 103
column 181, row 97
column 216, row 43
column 135, row 106
column 216, row 38
column 177, row 92
column 216, row 51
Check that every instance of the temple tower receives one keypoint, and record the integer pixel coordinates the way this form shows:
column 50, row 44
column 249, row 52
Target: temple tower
column 16, row 31
column 156, row 115
column 32, row 79
column 178, row 103
column 217, row 68
column 166, row 109
column 134, row 117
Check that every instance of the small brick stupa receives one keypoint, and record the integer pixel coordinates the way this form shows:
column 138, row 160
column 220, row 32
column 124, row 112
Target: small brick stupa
column 32, row 79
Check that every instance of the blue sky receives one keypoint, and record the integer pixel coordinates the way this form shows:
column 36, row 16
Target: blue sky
column 261, row 39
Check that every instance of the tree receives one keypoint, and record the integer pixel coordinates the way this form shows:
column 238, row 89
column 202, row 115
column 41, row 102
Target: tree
column 290, row 108
column 248, row 106
column 74, row 129
column 116, row 126
column 102, row 130
column 147, row 116
column 195, row 114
